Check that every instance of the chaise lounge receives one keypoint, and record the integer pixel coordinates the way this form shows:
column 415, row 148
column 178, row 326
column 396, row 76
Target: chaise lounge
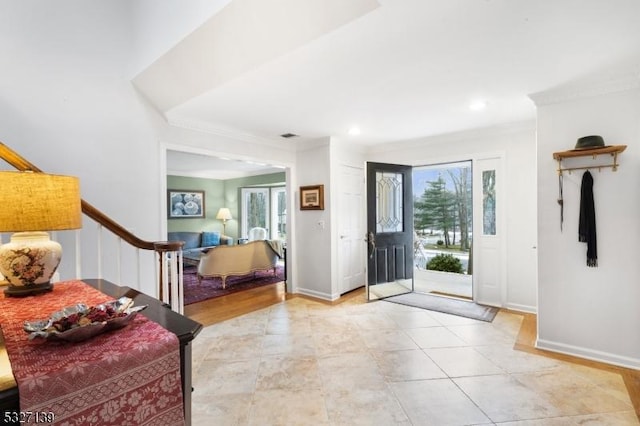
column 243, row 259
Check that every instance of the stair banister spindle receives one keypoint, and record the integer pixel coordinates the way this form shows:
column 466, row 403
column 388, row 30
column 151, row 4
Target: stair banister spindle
column 99, row 241
column 119, row 259
column 78, row 253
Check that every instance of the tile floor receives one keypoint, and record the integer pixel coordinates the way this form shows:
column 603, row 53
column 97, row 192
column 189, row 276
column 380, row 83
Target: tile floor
column 305, row 363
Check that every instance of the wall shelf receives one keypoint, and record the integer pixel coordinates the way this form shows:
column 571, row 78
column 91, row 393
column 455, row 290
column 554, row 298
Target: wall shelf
column 612, row 150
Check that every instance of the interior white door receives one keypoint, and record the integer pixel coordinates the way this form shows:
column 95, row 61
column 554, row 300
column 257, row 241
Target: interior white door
column 351, row 229
column 489, row 260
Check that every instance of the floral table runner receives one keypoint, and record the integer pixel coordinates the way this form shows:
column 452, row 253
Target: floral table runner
column 129, row 376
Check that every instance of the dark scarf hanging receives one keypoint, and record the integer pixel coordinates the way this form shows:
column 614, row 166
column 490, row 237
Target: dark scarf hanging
column 587, row 224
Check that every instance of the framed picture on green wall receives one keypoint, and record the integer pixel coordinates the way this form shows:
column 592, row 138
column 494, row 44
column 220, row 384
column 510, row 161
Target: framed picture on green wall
column 185, row 204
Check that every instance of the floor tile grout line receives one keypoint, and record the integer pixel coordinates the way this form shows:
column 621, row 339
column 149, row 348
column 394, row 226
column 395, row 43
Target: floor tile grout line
column 525, row 342
column 403, row 331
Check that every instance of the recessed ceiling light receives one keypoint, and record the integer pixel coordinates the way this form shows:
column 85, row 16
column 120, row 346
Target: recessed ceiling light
column 354, row 131
column 478, row 105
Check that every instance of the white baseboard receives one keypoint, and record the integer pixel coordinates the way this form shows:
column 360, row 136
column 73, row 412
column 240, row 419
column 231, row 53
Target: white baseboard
column 591, row 354
column 317, row 294
column 522, row 308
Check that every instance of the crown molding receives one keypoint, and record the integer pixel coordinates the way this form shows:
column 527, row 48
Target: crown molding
column 571, row 92
column 232, row 134
column 464, row 135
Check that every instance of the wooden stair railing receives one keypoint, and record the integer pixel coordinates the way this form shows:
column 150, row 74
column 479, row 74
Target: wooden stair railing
column 170, row 275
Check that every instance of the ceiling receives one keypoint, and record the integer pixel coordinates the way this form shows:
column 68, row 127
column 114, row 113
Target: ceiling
column 209, row 167
column 396, row 69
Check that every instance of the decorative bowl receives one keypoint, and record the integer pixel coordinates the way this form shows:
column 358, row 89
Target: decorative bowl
column 80, row 322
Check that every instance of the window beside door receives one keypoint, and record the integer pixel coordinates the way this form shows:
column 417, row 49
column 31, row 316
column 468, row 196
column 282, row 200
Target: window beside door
column 279, row 213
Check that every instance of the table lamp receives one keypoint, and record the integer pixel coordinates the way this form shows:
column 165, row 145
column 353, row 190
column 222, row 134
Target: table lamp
column 31, row 204
column 224, row 214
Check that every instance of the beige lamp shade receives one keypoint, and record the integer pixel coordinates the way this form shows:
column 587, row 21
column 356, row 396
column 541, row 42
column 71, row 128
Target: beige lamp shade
column 33, row 203
column 39, row 202
column 224, row 214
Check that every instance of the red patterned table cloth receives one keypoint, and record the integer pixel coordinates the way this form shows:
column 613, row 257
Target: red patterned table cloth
column 129, row 376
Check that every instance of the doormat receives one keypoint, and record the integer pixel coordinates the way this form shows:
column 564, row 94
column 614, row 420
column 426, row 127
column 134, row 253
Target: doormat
column 455, row 296
column 446, row 305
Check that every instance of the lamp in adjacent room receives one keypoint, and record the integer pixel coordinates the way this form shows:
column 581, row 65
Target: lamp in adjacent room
column 32, row 204
column 224, row 214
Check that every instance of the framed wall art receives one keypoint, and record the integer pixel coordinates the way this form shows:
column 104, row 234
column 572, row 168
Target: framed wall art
column 312, row 197
column 185, row 204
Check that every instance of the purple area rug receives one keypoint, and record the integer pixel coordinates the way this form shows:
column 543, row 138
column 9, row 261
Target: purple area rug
column 212, row 287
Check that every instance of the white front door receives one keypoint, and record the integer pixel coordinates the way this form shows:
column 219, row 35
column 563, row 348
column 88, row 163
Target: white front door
column 351, row 229
column 489, row 261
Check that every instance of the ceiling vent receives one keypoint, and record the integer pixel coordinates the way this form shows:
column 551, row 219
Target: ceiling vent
column 289, row 135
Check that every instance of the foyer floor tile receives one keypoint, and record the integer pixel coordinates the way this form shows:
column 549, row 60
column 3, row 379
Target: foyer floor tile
column 398, row 366
column 460, row 362
column 301, row 362
column 437, row 402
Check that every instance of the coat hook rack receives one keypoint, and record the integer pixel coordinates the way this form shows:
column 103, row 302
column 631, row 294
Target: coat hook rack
column 612, row 150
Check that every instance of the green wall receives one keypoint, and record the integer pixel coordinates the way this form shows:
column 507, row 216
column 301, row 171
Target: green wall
column 213, row 199
column 217, row 193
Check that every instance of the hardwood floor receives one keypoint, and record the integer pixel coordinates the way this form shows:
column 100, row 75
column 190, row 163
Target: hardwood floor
column 526, row 343
column 225, row 307
column 222, row 308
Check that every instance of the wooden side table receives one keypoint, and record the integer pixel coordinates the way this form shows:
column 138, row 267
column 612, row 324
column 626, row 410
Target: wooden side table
column 184, row 328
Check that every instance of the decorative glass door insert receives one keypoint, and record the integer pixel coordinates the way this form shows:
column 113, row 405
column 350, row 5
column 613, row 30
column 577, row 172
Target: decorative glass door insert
column 389, row 202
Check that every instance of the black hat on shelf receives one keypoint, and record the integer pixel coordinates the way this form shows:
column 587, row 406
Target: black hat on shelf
column 590, row 142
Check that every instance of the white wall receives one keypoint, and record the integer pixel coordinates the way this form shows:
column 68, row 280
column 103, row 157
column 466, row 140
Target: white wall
column 590, row 312
column 517, row 141
column 158, row 25
column 65, row 106
column 313, row 227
